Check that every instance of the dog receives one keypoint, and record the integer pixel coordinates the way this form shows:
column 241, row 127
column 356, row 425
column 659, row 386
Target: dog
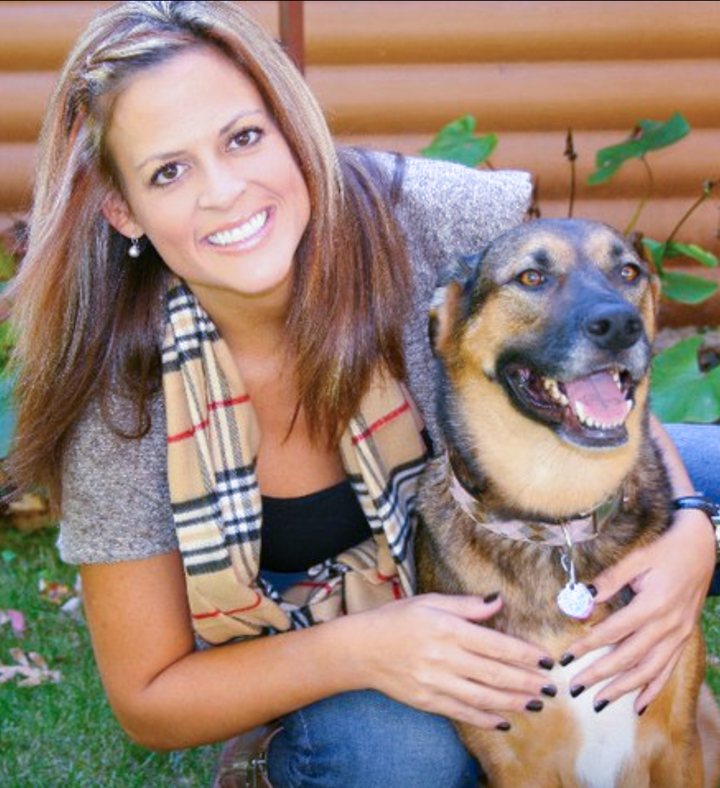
column 548, row 475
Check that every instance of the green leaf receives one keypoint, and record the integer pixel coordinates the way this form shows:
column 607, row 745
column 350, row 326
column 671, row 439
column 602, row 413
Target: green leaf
column 681, row 391
column 648, row 135
column 457, row 142
column 656, row 251
column 686, row 288
column 695, row 252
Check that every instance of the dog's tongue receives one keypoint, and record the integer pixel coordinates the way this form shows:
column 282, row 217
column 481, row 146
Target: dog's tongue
column 599, row 398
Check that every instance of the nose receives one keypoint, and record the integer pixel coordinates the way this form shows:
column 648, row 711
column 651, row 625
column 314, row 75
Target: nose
column 613, row 326
column 221, row 187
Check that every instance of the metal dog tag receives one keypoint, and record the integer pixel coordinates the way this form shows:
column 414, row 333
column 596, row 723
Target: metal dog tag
column 575, row 600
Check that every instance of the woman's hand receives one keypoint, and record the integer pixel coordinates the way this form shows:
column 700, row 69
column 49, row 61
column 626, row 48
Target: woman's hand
column 428, row 652
column 671, row 578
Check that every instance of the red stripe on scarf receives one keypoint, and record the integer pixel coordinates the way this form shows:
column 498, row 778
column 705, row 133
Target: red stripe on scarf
column 375, row 426
column 394, row 582
column 228, row 403
column 216, row 613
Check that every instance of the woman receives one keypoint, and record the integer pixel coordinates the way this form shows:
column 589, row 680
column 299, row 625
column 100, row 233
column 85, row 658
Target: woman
column 234, row 312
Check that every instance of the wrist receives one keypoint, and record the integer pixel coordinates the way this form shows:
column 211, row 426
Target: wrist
column 703, row 504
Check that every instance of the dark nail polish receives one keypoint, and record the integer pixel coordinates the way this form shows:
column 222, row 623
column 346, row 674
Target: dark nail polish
column 503, row 726
column 566, row 659
column 576, row 690
column 593, row 591
column 546, row 663
column 491, row 597
column 642, row 711
column 534, row 705
column 550, row 690
column 600, row 705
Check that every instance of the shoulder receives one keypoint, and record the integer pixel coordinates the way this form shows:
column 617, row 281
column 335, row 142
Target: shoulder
column 482, row 203
column 115, row 500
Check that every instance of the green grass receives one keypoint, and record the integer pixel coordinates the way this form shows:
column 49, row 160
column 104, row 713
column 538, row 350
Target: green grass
column 63, row 735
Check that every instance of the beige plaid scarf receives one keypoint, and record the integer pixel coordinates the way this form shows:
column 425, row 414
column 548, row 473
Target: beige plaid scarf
column 213, row 438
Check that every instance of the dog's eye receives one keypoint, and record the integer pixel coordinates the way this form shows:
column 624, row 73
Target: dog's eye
column 630, row 272
column 531, row 278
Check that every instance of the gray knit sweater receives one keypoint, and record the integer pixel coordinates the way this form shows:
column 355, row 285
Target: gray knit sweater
column 116, row 504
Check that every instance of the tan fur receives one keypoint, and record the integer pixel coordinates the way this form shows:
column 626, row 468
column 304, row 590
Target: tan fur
column 486, row 318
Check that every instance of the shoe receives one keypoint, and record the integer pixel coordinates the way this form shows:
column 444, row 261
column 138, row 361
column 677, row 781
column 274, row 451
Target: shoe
column 243, row 762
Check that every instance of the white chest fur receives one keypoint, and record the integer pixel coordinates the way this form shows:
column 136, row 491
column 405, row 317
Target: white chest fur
column 608, row 737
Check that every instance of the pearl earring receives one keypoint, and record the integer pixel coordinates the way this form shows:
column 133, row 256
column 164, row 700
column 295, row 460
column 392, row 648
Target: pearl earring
column 134, row 250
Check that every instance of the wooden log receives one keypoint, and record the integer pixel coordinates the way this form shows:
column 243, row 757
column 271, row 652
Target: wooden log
column 455, row 31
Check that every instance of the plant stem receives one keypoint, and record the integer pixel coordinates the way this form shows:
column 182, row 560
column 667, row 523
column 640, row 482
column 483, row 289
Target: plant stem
column 571, row 156
column 644, row 199
column 707, row 191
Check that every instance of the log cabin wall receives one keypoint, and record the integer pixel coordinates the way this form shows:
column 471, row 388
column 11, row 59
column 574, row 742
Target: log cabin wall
column 391, row 74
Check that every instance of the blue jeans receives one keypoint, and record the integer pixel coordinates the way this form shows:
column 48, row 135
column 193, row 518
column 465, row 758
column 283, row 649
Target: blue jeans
column 699, row 447
column 364, row 739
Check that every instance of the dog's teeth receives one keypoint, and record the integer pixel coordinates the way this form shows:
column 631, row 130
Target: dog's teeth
column 552, row 388
column 616, row 378
column 583, row 418
column 588, row 421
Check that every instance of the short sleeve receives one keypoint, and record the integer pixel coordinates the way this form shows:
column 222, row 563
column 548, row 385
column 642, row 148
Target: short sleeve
column 115, row 498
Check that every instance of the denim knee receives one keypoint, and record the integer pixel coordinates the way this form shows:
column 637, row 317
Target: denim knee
column 699, row 448
column 363, row 740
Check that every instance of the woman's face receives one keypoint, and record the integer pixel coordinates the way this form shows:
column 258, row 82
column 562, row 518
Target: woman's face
column 207, row 177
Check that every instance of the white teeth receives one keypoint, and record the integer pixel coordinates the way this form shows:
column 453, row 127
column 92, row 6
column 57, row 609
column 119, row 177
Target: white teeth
column 583, row 418
column 240, row 233
column 552, row 388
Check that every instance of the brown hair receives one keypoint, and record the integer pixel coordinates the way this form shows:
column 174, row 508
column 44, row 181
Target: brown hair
column 88, row 321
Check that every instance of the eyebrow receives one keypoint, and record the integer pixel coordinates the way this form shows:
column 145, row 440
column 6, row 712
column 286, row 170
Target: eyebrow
column 158, row 157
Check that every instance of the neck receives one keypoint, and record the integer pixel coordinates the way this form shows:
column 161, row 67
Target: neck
column 249, row 324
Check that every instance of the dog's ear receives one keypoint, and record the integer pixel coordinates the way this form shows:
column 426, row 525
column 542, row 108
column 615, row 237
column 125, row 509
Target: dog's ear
column 450, row 300
column 444, row 316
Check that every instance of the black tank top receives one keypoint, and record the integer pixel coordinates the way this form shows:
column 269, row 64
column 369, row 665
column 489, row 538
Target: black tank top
column 298, row 533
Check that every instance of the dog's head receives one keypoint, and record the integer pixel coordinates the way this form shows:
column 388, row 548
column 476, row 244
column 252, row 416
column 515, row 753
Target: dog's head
column 545, row 335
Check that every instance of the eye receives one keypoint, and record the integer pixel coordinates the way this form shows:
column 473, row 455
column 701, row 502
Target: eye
column 531, row 278
column 246, row 138
column 167, row 174
column 630, row 272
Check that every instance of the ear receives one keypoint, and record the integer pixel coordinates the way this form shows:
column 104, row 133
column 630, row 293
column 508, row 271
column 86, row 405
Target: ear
column 118, row 214
column 444, row 311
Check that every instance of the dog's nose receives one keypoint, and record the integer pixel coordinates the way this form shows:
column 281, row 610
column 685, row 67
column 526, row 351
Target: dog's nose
column 613, row 326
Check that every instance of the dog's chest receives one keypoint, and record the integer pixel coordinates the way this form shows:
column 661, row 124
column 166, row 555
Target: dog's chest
column 606, row 739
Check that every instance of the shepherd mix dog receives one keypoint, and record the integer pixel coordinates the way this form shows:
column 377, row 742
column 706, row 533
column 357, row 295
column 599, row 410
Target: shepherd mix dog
column 549, row 476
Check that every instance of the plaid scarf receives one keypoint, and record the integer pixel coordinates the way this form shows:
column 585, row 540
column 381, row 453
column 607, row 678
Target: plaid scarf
column 213, row 438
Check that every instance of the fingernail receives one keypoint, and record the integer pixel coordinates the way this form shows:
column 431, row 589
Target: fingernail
column 503, row 726
column 534, row 705
column 546, row 662
column 576, row 690
column 491, row 597
column 642, row 711
column 593, row 591
column 566, row 659
column 600, row 705
column 550, row 690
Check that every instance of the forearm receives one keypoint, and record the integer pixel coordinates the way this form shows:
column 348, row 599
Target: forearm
column 680, row 481
column 214, row 694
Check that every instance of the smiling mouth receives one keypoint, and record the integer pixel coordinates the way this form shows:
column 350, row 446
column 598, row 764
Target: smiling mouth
column 242, row 232
column 588, row 411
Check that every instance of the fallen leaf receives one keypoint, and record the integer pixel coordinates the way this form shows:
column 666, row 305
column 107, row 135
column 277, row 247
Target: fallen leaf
column 31, row 668
column 53, row 591
column 15, row 618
